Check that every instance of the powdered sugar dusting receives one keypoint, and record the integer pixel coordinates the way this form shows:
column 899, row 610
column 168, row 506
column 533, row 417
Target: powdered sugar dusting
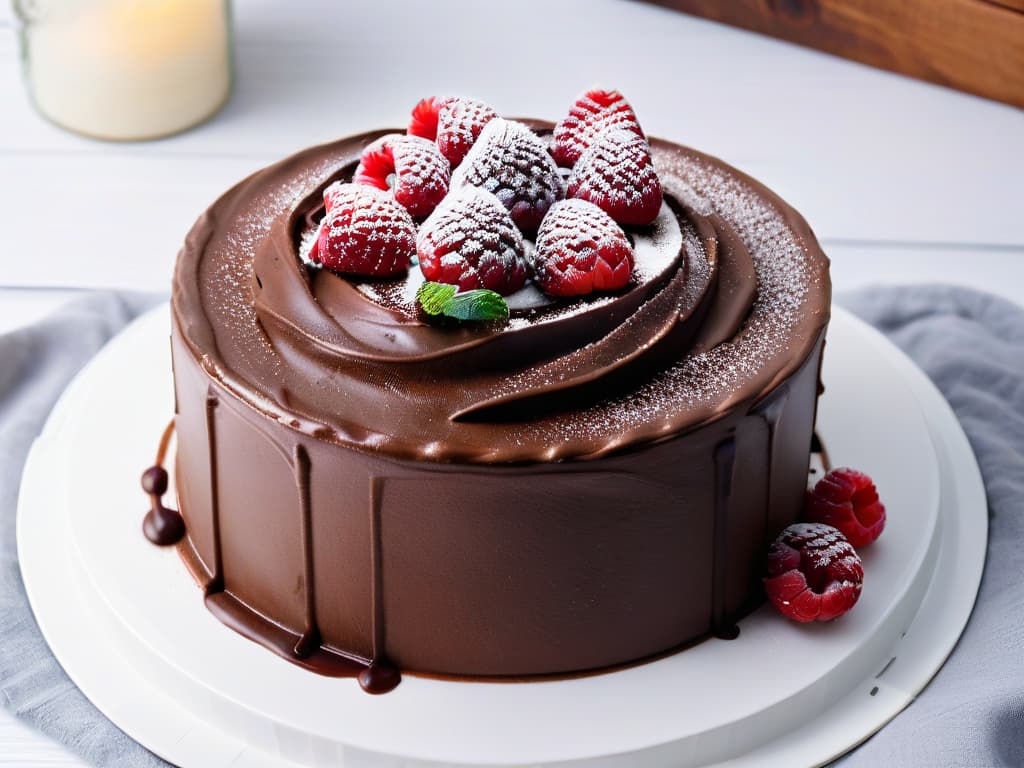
column 703, row 383
column 470, row 241
column 231, row 282
column 580, row 249
column 707, row 379
column 657, row 247
column 509, row 161
column 422, row 173
column 616, row 174
column 822, row 547
column 459, row 123
column 594, row 113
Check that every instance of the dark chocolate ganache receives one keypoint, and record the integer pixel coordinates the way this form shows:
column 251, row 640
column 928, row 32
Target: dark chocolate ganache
column 729, row 296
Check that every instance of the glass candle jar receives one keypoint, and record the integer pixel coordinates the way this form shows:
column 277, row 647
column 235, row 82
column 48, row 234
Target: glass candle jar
column 126, row 69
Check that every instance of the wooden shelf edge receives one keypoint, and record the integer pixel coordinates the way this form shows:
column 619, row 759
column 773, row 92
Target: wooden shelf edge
column 971, row 45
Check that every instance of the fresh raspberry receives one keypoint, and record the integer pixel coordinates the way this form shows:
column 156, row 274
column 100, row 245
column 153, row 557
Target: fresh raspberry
column 470, row 241
column 509, row 160
column 414, row 166
column 364, row 232
column 617, row 175
column 423, row 121
column 595, row 112
column 459, row 124
column 848, row 500
column 453, row 121
column 814, row 573
column 580, row 250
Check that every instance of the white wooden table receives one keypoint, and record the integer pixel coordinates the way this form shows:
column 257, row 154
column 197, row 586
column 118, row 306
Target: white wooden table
column 902, row 181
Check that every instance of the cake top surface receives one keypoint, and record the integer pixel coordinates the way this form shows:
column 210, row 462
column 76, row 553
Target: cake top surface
column 718, row 299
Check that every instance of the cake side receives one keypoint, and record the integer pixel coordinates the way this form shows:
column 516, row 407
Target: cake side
column 466, row 570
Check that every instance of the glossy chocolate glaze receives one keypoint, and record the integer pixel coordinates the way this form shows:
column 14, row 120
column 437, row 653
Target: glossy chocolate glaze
column 585, row 485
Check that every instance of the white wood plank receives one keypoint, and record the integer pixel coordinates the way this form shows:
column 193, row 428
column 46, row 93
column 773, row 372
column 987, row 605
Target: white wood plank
column 19, row 307
column 864, row 154
column 21, row 747
column 997, row 271
column 114, row 221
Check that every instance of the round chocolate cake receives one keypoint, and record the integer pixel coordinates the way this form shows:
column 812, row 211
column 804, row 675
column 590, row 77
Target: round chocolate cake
column 584, row 483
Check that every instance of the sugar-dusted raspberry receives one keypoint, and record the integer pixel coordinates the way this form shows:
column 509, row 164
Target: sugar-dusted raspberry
column 364, row 232
column 848, row 500
column 412, row 166
column 423, row 120
column 511, row 162
column 470, row 241
column 460, row 121
column 454, row 122
column 594, row 113
column 579, row 250
column 617, row 175
column 814, row 573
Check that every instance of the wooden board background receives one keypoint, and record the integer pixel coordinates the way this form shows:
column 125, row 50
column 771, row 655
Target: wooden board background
column 972, row 45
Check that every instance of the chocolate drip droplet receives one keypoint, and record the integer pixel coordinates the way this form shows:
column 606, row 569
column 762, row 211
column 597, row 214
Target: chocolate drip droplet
column 728, row 631
column 162, row 526
column 379, row 677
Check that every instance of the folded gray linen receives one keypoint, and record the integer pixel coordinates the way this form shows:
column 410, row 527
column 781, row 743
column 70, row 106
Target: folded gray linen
column 971, row 345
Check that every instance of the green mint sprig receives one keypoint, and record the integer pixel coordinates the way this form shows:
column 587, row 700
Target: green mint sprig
column 478, row 304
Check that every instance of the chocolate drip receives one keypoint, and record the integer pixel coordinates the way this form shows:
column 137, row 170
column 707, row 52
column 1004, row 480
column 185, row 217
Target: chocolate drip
column 216, row 582
column 772, row 413
column 238, row 617
column 380, row 676
column 725, row 459
column 310, row 639
column 161, row 525
column 375, row 675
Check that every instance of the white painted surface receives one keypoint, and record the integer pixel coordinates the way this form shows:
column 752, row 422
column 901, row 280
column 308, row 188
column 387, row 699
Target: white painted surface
column 902, row 181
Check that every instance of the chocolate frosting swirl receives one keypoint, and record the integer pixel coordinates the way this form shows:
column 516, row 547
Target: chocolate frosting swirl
column 729, row 297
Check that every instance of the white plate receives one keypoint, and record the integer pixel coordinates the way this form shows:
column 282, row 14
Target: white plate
column 111, row 597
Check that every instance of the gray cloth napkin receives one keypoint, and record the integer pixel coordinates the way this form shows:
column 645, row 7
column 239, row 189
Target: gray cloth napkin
column 36, row 364
column 972, row 346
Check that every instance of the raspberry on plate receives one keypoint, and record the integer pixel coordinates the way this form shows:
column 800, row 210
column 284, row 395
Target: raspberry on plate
column 364, row 232
column 617, row 175
column 509, row 161
column 579, row 250
column 814, row 573
column 413, row 166
column 594, row 113
column 453, row 121
column 848, row 500
column 470, row 241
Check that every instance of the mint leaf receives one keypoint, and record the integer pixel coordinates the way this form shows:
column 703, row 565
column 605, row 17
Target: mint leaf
column 433, row 296
column 478, row 304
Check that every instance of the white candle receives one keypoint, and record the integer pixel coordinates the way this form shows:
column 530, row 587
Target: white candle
column 129, row 69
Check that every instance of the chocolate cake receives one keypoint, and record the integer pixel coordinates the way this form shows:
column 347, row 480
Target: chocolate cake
column 587, row 483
